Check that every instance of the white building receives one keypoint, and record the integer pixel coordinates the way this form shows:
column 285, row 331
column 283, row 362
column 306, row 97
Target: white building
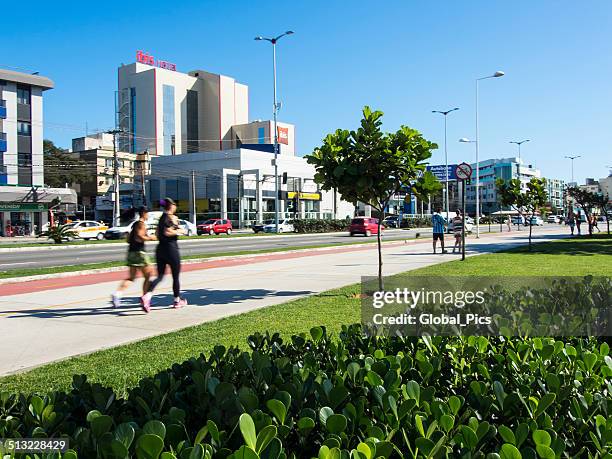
column 23, row 198
column 239, row 185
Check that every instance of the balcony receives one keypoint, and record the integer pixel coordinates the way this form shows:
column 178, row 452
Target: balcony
column 2, row 109
column 2, row 142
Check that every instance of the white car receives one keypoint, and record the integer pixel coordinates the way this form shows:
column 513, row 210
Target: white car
column 469, row 225
column 121, row 232
column 519, row 220
column 536, row 220
column 284, row 226
column 88, row 229
column 553, row 219
column 189, row 229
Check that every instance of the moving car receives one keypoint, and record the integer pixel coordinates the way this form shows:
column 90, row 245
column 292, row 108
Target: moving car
column 536, row 220
column 284, row 226
column 259, row 227
column 119, row 232
column 553, row 219
column 215, row 226
column 469, row 225
column 392, row 221
column 88, row 229
column 364, row 225
column 189, row 229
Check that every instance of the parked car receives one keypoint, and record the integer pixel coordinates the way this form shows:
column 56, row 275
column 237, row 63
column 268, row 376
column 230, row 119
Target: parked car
column 469, row 225
column 392, row 221
column 518, row 220
column 553, row 219
column 284, row 226
column 536, row 220
column 259, row 227
column 88, row 229
column 215, row 226
column 364, row 225
column 189, row 229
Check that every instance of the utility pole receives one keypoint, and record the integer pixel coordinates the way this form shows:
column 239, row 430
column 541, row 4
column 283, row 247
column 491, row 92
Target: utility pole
column 193, row 198
column 116, row 203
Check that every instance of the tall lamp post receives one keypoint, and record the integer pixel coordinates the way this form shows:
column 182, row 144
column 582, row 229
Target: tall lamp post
column 495, row 75
column 445, row 113
column 274, row 40
column 573, row 158
column 466, row 140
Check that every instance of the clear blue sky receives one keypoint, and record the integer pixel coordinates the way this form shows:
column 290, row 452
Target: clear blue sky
column 402, row 57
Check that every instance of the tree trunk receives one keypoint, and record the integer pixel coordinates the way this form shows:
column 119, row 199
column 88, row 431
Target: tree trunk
column 608, row 222
column 530, row 227
column 380, row 260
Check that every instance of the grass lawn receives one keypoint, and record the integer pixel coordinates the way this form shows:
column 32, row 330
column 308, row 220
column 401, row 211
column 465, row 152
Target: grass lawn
column 332, row 309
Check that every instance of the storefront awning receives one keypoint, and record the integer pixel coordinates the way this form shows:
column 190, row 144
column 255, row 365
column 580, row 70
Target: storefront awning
column 23, row 195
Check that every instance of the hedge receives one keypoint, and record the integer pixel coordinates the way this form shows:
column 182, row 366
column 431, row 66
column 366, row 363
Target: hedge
column 353, row 397
column 320, row 226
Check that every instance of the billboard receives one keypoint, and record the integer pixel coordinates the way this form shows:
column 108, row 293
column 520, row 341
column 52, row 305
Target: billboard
column 283, row 135
column 440, row 171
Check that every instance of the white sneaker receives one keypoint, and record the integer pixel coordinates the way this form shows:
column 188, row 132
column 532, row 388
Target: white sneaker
column 116, row 300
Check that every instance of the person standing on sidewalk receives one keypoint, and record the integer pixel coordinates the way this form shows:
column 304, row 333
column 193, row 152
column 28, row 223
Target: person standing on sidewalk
column 578, row 220
column 571, row 222
column 439, row 224
column 137, row 257
column 167, row 254
column 458, row 230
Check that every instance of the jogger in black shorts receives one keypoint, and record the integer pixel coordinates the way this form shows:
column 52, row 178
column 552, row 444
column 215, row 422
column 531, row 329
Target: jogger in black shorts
column 167, row 254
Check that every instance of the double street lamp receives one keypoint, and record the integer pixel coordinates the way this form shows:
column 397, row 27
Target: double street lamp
column 518, row 166
column 274, row 40
column 445, row 113
column 573, row 158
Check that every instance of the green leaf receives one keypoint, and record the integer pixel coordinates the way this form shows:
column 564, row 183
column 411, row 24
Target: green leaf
column 447, row 422
column 590, row 359
column 316, row 333
column 305, row 425
column 498, row 388
column 506, row 434
column 245, row 453
column 155, row 428
column 425, row 445
column 100, row 425
column 336, row 423
column 545, row 402
column 278, row 409
column 149, row 446
column 470, row 439
column 454, row 404
column 418, row 421
column 118, row 449
column 545, row 452
column 70, row 454
column 414, row 390
column 541, row 437
column 247, row 427
column 509, row 451
column 197, row 452
column 264, row 437
column 325, row 413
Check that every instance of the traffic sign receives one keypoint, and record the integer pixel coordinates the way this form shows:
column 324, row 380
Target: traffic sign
column 463, row 171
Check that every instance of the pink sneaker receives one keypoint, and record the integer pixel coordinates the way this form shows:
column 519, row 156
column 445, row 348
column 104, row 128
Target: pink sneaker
column 180, row 303
column 145, row 302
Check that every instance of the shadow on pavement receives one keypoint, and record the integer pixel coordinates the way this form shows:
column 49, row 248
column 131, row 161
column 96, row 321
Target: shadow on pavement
column 131, row 305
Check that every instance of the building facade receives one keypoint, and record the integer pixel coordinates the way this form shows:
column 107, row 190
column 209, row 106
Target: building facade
column 239, row 185
column 170, row 113
column 554, row 190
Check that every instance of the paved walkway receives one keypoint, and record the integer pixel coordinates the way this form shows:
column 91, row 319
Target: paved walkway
column 47, row 320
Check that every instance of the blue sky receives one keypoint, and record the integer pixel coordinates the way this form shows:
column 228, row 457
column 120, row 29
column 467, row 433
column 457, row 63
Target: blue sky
column 405, row 58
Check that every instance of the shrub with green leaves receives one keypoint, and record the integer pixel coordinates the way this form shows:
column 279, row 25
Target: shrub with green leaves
column 352, row 397
column 310, row 225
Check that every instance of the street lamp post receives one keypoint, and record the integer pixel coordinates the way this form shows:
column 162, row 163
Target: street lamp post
column 274, row 40
column 518, row 166
column 466, row 140
column 445, row 113
column 495, row 75
column 573, row 158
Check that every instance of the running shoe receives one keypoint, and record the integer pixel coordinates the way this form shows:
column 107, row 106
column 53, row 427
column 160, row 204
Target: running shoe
column 178, row 304
column 116, row 300
column 146, row 302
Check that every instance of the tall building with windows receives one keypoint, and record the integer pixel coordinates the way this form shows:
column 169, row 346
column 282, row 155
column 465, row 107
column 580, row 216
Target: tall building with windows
column 21, row 128
column 170, row 113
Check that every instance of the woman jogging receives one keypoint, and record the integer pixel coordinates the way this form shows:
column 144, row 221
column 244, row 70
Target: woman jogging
column 167, row 254
column 137, row 258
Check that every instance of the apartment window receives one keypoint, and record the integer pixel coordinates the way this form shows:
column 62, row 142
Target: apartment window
column 108, row 163
column 24, row 159
column 24, row 128
column 23, row 95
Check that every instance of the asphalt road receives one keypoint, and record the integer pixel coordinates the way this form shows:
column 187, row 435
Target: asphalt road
column 98, row 253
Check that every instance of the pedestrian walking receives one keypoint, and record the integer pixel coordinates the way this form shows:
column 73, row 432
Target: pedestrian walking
column 594, row 224
column 571, row 222
column 458, row 230
column 578, row 220
column 509, row 223
column 137, row 257
column 167, row 254
column 439, row 224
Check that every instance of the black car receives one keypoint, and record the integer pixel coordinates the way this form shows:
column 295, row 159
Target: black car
column 259, row 227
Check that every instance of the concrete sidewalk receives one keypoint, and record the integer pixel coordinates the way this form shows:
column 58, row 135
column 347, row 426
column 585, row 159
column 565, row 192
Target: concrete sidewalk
column 72, row 316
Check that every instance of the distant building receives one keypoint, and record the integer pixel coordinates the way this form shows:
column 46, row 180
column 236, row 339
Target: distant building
column 591, row 185
column 554, row 190
column 605, row 186
column 95, row 194
column 24, row 200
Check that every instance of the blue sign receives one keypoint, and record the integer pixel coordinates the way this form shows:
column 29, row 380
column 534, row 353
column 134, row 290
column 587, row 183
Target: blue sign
column 440, row 171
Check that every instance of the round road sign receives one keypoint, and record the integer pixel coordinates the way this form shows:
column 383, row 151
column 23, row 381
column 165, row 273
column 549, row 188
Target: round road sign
column 463, row 171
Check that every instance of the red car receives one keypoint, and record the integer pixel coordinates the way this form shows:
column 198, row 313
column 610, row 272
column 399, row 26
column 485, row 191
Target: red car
column 215, row 226
column 364, row 225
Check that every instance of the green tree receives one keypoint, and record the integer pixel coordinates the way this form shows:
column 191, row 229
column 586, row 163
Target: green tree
column 427, row 187
column 524, row 201
column 61, row 167
column 368, row 165
column 602, row 202
column 586, row 200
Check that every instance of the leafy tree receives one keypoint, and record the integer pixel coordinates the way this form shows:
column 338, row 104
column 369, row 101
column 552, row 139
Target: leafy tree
column 602, row 202
column 428, row 186
column 585, row 200
column 528, row 201
column 61, row 167
column 368, row 165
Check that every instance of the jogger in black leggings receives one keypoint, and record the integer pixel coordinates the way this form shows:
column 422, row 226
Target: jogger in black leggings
column 167, row 254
